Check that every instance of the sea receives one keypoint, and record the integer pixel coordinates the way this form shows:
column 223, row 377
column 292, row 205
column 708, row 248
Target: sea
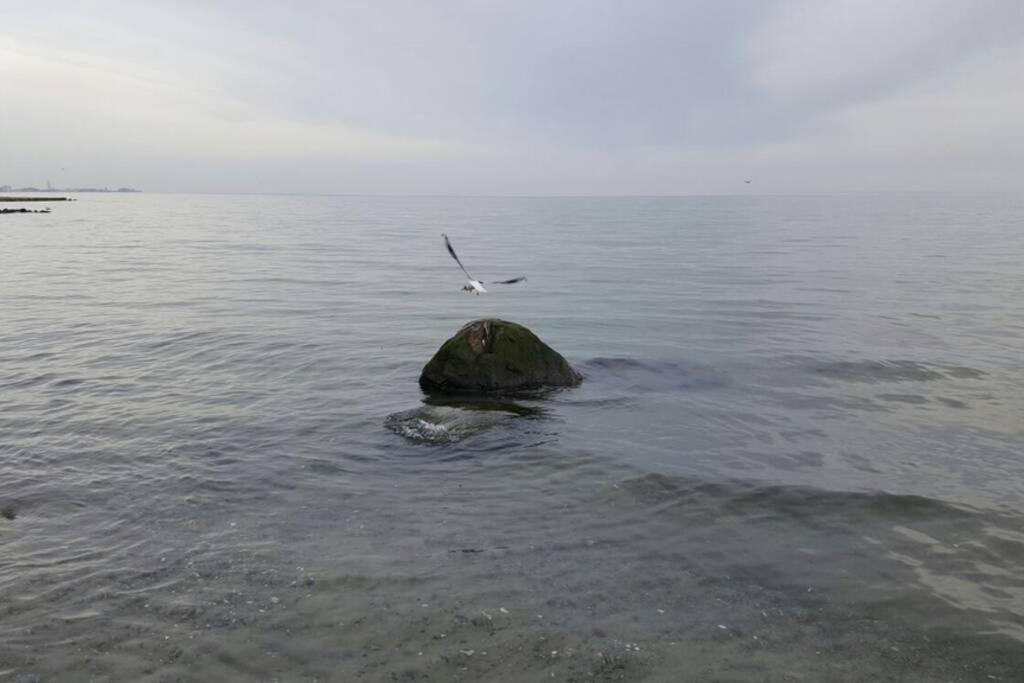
column 797, row 453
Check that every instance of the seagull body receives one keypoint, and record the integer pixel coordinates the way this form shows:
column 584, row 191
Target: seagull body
column 474, row 285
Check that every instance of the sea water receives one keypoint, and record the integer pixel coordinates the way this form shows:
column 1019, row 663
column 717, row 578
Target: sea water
column 796, row 454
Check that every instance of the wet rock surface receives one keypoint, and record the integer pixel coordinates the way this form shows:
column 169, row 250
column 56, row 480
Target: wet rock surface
column 491, row 355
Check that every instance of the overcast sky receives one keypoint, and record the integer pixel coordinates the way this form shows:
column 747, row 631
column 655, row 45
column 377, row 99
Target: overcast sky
column 514, row 97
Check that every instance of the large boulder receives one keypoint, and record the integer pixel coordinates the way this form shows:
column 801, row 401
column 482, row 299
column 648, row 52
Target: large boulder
column 494, row 355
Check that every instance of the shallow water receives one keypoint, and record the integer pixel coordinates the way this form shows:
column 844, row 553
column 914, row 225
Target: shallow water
column 796, row 454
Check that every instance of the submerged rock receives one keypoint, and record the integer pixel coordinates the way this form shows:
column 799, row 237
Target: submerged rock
column 494, row 355
column 441, row 425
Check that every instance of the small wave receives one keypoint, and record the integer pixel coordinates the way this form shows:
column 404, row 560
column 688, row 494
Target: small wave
column 41, row 355
column 25, row 382
column 739, row 497
column 951, row 402
column 910, row 399
column 67, row 382
column 894, row 371
column 637, row 375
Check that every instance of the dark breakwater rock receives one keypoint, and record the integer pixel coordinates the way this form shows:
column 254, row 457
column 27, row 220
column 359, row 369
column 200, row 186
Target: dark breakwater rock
column 24, row 211
column 34, row 199
column 491, row 355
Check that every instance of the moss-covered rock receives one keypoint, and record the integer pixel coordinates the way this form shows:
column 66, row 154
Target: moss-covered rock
column 494, row 355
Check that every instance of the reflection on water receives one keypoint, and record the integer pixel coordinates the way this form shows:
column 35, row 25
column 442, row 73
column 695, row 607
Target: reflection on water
column 795, row 455
column 488, row 404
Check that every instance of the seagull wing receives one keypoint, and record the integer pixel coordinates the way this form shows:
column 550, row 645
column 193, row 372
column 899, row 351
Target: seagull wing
column 452, row 252
column 508, row 282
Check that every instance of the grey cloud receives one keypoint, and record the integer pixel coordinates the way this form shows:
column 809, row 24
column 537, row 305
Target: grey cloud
column 612, row 72
column 567, row 95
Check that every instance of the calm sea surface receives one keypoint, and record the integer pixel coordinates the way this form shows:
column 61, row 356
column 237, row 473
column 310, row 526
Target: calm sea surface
column 798, row 453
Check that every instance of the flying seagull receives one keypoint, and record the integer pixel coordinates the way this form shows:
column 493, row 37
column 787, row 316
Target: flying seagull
column 474, row 285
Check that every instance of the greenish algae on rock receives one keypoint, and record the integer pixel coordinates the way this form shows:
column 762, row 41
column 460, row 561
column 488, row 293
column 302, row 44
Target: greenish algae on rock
column 494, row 355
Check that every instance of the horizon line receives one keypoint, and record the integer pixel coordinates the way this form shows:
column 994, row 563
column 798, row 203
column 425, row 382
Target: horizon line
column 533, row 195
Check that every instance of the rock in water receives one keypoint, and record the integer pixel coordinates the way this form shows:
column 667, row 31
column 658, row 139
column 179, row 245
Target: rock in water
column 495, row 356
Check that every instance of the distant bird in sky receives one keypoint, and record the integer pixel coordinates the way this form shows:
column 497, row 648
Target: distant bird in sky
column 474, row 285
column 747, row 182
